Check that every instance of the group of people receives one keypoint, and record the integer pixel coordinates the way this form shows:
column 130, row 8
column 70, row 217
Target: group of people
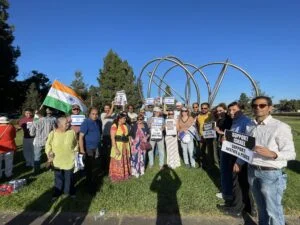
column 127, row 143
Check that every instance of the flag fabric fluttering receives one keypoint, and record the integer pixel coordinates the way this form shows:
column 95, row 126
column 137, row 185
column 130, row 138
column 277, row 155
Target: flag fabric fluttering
column 62, row 97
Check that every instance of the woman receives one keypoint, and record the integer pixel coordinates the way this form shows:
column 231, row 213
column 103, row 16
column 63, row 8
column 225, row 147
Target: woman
column 119, row 168
column 184, row 122
column 173, row 159
column 138, row 137
column 7, row 146
column 60, row 149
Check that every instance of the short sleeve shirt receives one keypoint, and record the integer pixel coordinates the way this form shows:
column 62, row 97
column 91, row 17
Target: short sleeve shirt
column 25, row 123
column 91, row 130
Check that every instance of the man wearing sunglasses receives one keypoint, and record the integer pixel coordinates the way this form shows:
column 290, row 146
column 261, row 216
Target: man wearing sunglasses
column 274, row 147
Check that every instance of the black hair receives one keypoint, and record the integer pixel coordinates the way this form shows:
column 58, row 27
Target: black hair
column 268, row 99
column 205, row 103
column 235, row 103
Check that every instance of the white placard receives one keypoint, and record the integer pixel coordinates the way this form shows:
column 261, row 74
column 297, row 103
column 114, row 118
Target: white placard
column 169, row 100
column 158, row 101
column 171, row 127
column 76, row 120
column 156, row 133
column 120, row 98
column 157, row 121
column 149, row 101
column 209, row 134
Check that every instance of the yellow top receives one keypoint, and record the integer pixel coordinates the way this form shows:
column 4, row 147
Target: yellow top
column 63, row 145
column 122, row 146
column 202, row 119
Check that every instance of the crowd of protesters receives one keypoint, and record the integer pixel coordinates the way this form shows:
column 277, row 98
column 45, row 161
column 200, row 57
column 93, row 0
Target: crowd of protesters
column 127, row 143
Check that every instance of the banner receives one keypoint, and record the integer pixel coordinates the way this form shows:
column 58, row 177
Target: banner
column 149, row 101
column 209, row 130
column 239, row 145
column 120, row 98
column 169, row 100
column 171, row 127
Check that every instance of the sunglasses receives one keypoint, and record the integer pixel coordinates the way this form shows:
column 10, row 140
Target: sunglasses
column 261, row 106
column 170, row 114
column 204, row 108
column 183, row 110
column 75, row 109
column 140, row 119
column 195, row 107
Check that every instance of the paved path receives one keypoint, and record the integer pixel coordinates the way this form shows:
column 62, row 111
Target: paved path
column 77, row 218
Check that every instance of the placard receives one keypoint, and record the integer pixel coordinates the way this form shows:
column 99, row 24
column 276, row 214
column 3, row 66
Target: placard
column 169, row 100
column 171, row 127
column 158, row 101
column 208, row 130
column 149, row 101
column 156, row 133
column 239, row 145
column 120, row 98
column 76, row 120
column 157, row 121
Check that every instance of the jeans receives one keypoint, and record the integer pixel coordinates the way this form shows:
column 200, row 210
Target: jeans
column 37, row 152
column 267, row 187
column 63, row 182
column 188, row 151
column 161, row 152
column 226, row 166
column 8, row 158
column 28, row 151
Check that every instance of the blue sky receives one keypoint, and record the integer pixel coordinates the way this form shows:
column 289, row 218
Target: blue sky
column 58, row 37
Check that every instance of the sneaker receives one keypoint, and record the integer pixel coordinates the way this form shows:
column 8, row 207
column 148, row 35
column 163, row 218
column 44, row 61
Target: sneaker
column 219, row 195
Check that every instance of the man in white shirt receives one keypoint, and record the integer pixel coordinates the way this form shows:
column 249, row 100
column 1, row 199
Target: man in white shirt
column 274, row 147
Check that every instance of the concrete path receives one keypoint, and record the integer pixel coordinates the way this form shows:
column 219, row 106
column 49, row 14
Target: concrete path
column 77, row 218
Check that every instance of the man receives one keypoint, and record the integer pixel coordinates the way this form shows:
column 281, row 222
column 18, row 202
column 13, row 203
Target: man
column 25, row 123
column 107, row 118
column 49, row 115
column 89, row 138
column 132, row 116
column 40, row 129
column 274, row 147
column 195, row 110
column 234, row 185
column 207, row 146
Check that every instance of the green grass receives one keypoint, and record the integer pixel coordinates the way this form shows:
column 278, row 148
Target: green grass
column 194, row 193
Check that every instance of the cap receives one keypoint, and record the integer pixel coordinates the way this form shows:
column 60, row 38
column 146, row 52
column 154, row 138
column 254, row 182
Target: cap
column 75, row 106
column 156, row 109
column 4, row 119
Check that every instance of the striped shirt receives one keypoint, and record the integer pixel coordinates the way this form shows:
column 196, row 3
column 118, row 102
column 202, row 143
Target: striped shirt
column 41, row 129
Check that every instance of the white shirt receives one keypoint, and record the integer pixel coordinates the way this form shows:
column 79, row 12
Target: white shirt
column 277, row 137
column 106, row 123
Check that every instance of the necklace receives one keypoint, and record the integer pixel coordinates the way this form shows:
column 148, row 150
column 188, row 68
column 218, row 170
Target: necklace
column 185, row 120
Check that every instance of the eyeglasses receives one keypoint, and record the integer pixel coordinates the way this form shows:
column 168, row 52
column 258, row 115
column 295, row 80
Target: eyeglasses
column 261, row 106
column 170, row 114
column 75, row 109
column 140, row 119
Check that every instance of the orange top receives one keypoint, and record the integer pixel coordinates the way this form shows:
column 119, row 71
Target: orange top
column 7, row 138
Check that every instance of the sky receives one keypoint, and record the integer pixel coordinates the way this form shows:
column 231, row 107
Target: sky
column 58, row 37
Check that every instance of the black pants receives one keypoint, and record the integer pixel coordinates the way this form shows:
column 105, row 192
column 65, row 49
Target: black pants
column 105, row 153
column 90, row 165
column 63, row 182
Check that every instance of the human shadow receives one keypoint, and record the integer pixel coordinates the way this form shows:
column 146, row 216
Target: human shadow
column 294, row 165
column 166, row 183
column 213, row 173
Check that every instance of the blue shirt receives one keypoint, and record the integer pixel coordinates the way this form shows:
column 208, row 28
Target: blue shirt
column 92, row 133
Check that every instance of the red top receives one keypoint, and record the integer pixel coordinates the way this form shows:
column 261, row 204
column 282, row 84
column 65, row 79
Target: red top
column 7, row 138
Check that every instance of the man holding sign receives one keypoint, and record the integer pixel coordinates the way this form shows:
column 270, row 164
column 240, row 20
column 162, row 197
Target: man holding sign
column 274, row 147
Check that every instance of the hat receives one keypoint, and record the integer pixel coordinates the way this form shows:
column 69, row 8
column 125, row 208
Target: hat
column 156, row 109
column 178, row 104
column 3, row 119
column 142, row 110
column 75, row 106
column 184, row 109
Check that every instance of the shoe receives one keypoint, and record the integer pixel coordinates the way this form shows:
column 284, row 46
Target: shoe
column 231, row 211
column 219, row 195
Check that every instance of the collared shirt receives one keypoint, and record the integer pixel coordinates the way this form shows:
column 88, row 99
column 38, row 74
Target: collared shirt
column 277, row 137
column 41, row 129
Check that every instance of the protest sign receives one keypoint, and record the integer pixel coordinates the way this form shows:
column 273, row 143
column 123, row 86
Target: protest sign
column 158, row 101
column 156, row 128
column 208, row 130
column 169, row 100
column 149, row 101
column 120, row 98
column 171, row 127
column 239, row 145
column 76, row 120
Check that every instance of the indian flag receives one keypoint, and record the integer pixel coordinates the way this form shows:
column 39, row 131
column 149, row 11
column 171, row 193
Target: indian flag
column 62, row 97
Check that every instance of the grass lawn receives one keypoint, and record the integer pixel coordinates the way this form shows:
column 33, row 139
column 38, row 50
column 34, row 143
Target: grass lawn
column 193, row 192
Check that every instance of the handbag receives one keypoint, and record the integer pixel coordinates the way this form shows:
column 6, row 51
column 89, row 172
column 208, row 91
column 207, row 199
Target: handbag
column 145, row 146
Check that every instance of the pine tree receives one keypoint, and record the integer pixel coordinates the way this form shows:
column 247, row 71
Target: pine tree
column 117, row 75
column 33, row 98
column 167, row 92
column 8, row 57
column 79, row 86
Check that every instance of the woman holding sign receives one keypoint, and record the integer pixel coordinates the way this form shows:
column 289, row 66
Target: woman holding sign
column 184, row 122
column 119, row 168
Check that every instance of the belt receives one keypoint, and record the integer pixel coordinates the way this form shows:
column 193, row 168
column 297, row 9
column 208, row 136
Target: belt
column 263, row 167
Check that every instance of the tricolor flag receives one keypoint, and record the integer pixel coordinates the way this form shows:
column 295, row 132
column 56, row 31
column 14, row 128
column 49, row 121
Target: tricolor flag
column 62, row 98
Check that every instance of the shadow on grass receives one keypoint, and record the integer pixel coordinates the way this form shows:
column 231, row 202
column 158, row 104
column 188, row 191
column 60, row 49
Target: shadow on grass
column 166, row 183
column 64, row 210
column 294, row 165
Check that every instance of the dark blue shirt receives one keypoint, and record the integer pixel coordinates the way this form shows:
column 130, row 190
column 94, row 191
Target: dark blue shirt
column 92, row 133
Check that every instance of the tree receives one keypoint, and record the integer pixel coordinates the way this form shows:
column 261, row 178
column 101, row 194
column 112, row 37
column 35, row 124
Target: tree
column 93, row 98
column 79, row 86
column 8, row 58
column 167, row 92
column 245, row 101
column 260, row 91
column 117, row 75
column 33, row 98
